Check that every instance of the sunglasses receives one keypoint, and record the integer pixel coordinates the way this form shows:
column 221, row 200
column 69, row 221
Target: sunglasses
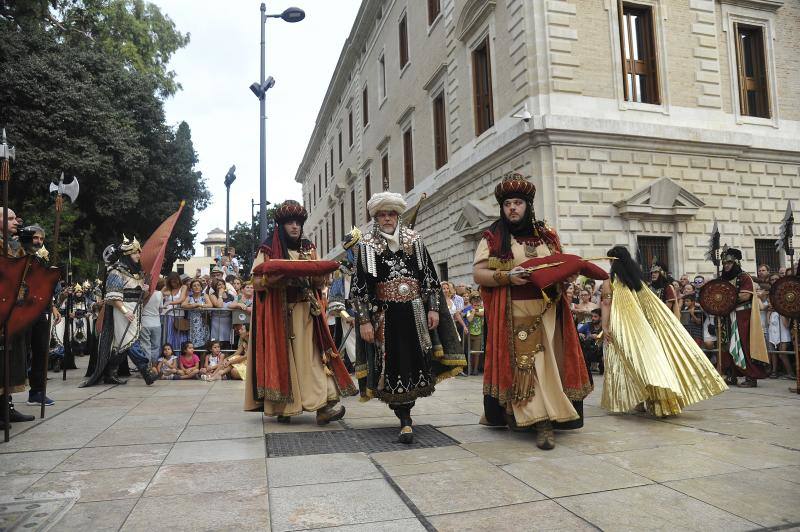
column 698, row 281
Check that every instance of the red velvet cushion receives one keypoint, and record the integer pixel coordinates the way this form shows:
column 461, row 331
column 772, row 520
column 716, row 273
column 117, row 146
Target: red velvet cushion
column 296, row 268
column 559, row 267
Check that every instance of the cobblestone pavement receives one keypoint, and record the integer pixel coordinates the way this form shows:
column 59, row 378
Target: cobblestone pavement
column 183, row 456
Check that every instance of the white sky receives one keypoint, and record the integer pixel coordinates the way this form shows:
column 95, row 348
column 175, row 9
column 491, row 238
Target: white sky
column 216, row 69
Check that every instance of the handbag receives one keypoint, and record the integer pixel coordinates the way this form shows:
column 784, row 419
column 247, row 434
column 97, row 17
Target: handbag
column 181, row 324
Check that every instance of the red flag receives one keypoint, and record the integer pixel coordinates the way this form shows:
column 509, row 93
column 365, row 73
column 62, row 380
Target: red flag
column 155, row 247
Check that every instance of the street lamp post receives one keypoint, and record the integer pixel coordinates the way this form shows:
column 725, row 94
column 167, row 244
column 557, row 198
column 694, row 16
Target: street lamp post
column 230, row 177
column 291, row 14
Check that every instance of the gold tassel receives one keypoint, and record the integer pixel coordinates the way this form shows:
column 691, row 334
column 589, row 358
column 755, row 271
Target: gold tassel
column 328, row 372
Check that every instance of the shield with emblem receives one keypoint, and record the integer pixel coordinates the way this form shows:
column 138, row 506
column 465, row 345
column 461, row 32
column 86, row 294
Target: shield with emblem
column 785, row 296
column 718, row 297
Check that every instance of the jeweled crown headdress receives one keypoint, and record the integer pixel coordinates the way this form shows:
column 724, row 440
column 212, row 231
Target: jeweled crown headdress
column 514, row 183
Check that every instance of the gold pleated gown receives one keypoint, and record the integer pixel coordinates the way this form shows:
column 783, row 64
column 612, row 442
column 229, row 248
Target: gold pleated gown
column 652, row 358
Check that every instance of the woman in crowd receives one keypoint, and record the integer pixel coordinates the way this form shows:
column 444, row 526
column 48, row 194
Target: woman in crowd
column 221, row 320
column 453, row 306
column 195, row 302
column 175, row 325
column 583, row 310
column 650, row 360
column 244, row 301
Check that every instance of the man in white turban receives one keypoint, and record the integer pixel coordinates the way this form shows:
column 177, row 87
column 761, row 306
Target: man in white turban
column 408, row 340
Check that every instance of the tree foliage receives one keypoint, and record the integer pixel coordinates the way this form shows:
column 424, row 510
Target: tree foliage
column 134, row 33
column 74, row 105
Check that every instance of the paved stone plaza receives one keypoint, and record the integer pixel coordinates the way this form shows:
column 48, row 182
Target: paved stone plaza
column 183, row 456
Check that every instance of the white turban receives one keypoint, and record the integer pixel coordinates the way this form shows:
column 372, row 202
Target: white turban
column 386, row 201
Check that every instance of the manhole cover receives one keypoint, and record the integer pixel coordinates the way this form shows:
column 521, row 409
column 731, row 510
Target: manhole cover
column 353, row 441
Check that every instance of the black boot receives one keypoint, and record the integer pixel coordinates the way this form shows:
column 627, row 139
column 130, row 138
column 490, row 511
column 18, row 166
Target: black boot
column 111, row 377
column 13, row 415
column 403, row 413
column 147, row 375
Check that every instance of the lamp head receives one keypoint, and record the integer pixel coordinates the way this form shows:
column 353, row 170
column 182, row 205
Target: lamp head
column 293, row 14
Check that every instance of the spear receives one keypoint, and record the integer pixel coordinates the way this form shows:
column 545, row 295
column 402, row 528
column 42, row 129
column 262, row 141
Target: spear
column 712, row 254
column 784, row 243
column 6, row 154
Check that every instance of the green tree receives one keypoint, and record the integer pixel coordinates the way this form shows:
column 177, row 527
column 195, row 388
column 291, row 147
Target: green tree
column 134, row 33
column 76, row 109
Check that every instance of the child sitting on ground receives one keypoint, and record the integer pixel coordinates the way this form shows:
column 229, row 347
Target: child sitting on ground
column 235, row 365
column 188, row 362
column 212, row 362
column 167, row 366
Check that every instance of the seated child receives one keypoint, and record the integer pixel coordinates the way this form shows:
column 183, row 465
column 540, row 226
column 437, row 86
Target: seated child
column 167, row 366
column 235, row 365
column 212, row 362
column 188, row 362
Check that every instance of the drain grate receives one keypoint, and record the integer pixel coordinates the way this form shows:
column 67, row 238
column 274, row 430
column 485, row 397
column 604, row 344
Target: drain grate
column 352, row 441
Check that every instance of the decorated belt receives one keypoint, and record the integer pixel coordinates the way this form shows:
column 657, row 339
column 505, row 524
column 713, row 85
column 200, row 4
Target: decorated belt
column 525, row 291
column 399, row 290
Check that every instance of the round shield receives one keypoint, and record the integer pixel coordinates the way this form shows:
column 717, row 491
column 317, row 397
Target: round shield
column 718, row 297
column 785, row 296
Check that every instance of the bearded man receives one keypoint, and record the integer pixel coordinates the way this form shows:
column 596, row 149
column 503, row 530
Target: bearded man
column 744, row 349
column 37, row 336
column 534, row 373
column 294, row 367
column 125, row 288
column 408, row 338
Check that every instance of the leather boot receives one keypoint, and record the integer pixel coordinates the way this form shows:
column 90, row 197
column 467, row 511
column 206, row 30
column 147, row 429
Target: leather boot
column 112, row 378
column 330, row 413
column 545, row 439
column 13, row 415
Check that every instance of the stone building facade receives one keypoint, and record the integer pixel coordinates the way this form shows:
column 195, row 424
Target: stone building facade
column 649, row 120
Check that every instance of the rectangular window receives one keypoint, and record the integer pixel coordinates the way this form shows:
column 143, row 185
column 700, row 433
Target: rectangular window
column 382, row 77
column 639, row 69
column 408, row 160
column 350, row 128
column 341, row 218
column 367, row 192
column 327, row 242
column 331, row 161
column 482, row 87
column 340, row 147
column 403, row 30
column 315, row 194
column 439, row 131
column 364, row 108
column 752, row 71
column 353, row 207
column 434, row 7
column 333, row 229
column 767, row 254
column 179, row 269
column 653, row 249
column 326, row 174
column 443, row 273
column 385, row 171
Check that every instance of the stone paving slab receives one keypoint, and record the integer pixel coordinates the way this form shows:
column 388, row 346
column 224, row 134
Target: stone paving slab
column 525, row 517
column 245, row 509
column 342, row 503
column 90, row 458
column 652, row 507
column 757, row 497
column 320, row 469
column 97, row 516
column 208, row 477
column 95, row 485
